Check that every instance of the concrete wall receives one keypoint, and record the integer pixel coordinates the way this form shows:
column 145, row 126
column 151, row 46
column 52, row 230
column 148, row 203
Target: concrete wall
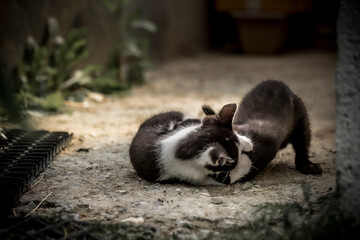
column 348, row 106
column 182, row 25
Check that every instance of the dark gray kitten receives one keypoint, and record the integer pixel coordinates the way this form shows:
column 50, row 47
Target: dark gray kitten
column 272, row 116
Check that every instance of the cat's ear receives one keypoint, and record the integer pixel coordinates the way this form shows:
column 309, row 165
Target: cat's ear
column 208, row 110
column 226, row 115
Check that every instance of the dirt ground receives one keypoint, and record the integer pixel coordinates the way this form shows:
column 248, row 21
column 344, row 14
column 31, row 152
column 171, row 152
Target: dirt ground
column 101, row 184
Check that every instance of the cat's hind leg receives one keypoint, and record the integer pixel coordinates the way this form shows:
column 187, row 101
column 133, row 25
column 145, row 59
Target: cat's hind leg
column 300, row 140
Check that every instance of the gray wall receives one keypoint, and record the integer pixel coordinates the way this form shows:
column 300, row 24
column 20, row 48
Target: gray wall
column 182, row 25
column 348, row 106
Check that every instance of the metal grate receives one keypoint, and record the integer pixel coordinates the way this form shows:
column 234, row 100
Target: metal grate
column 23, row 155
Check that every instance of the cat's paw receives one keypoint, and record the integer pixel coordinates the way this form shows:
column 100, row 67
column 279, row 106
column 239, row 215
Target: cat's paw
column 245, row 143
column 310, row 168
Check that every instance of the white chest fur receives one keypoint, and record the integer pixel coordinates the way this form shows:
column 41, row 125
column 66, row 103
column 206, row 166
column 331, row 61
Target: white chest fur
column 190, row 170
column 194, row 170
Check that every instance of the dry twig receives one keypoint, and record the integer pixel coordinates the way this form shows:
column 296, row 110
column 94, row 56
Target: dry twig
column 37, row 182
column 38, row 205
column 14, row 212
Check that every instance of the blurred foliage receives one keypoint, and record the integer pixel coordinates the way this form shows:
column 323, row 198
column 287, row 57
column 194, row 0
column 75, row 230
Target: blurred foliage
column 297, row 221
column 11, row 109
column 107, row 84
column 45, row 73
column 45, row 68
column 129, row 56
column 53, row 101
column 9, row 106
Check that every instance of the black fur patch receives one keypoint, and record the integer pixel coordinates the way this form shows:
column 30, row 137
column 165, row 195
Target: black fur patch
column 215, row 129
column 197, row 142
column 188, row 122
column 143, row 149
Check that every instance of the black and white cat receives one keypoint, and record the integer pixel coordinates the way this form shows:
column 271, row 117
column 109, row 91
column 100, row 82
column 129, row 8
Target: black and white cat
column 272, row 116
column 170, row 146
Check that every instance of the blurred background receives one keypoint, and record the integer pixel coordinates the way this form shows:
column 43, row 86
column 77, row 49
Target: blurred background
column 50, row 48
column 76, row 58
column 184, row 27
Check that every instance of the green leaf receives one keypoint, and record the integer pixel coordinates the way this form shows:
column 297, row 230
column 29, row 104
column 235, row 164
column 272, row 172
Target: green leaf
column 132, row 49
column 92, row 68
column 53, row 101
column 110, row 5
column 116, row 7
column 145, row 25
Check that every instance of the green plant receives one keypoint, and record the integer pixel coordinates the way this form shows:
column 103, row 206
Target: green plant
column 129, row 56
column 53, row 101
column 63, row 59
column 11, row 110
column 106, row 83
column 46, row 69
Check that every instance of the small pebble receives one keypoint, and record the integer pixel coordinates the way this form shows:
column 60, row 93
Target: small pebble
column 226, row 223
column 205, row 193
column 83, row 150
column 216, row 200
column 135, row 220
column 121, row 191
column 247, row 186
column 185, row 224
